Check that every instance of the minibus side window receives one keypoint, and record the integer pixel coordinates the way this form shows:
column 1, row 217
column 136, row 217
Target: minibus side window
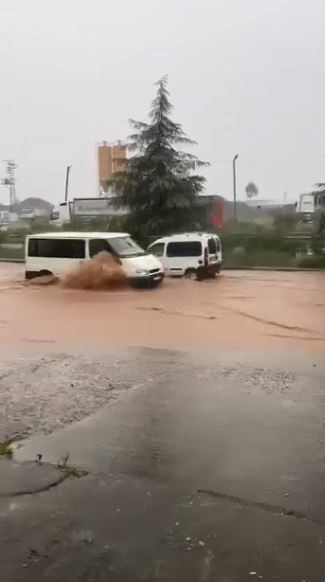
column 56, row 248
column 98, row 245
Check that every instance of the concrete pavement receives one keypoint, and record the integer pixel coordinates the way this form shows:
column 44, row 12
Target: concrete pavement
column 28, row 477
column 212, row 471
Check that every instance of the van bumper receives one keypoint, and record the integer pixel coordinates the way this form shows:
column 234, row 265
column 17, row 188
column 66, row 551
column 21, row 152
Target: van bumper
column 147, row 280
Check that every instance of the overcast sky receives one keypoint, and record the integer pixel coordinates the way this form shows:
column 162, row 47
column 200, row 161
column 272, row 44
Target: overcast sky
column 245, row 76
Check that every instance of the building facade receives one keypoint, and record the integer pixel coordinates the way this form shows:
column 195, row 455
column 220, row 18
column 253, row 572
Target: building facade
column 111, row 160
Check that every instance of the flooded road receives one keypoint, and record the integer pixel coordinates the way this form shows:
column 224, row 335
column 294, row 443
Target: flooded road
column 238, row 310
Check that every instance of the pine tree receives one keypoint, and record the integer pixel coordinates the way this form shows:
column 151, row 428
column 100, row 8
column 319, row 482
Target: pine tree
column 251, row 190
column 159, row 185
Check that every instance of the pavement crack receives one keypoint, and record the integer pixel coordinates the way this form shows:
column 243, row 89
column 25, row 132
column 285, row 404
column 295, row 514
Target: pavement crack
column 268, row 507
column 44, row 489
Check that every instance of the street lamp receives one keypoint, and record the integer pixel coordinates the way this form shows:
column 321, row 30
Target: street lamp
column 67, row 184
column 235, row 185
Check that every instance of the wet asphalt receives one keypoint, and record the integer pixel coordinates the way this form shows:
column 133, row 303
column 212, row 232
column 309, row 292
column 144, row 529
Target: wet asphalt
column 202, row 466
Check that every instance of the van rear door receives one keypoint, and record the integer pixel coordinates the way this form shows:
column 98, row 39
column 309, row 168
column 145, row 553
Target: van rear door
column 212, row 250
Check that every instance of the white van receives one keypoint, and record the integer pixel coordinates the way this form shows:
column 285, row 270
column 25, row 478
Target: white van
column 195, row 255
column 56, row 253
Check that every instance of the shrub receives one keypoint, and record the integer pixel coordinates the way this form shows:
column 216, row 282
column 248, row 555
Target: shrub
column 312, row 262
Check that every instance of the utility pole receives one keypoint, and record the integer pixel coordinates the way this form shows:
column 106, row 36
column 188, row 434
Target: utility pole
column 10, row 181
column 66, row 194
column 235, row 185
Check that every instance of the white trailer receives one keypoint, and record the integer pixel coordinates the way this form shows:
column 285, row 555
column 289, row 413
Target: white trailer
column 85, row 209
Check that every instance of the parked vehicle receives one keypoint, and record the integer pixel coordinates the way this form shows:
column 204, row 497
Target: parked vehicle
column 56, row 253
column 195, row 255
column 85, row 209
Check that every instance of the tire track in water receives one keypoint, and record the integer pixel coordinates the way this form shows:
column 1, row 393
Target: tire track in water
column 210, row 317
column 268, row 321
column 296, row 337
column 179, row 313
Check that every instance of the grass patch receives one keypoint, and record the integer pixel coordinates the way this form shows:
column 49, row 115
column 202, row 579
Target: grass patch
column 312, row 262
column 6, row 449
column 13, row 253
column 69, row 471
column 258, row 259
column 73, row 472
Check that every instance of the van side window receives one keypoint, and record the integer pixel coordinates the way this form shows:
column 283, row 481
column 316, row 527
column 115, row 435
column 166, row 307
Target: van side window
column 184, row 249
column 98, row 245
column 157, row 250
column 57, row 248
column 212, row 246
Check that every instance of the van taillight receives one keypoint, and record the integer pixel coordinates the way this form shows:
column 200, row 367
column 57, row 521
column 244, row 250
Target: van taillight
column 206, row 256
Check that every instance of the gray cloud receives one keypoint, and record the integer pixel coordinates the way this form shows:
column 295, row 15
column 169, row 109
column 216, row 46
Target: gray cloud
column 246, row 76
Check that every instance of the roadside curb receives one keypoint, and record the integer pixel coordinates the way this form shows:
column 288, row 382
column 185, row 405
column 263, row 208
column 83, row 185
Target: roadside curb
column 284, row 269
column 4, row 260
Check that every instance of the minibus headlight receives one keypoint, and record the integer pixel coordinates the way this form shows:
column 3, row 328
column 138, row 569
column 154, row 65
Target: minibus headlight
column 142, row 272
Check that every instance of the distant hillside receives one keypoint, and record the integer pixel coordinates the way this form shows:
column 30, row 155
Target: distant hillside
column 33, row 203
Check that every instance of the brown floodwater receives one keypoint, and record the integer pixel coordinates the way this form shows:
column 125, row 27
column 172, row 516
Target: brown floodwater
column 238, row 310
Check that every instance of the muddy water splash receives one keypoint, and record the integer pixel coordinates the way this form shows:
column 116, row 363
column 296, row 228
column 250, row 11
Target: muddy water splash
column 101, row 272
column 44, row 280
